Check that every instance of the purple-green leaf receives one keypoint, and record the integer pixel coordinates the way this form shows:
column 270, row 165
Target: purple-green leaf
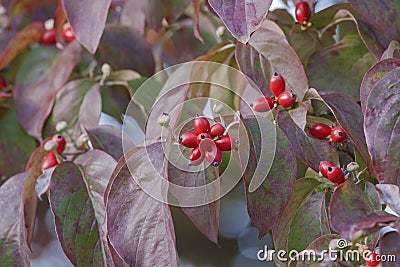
column 132, row 213
column 309, row 150
column 352, row 215
column 13, row 247
column 340, row 67
column 266, row 204
column 373, row 75
column 34, row 97
column 390, row 246
column 241, row 17
column 371, row 12
column 76, row 225
column 87, row 19
column 117, row 50
column 301, row 191
column 267, row 52
column 310, row 222
column 108, row 139
column 390, row 195
column 382, row 127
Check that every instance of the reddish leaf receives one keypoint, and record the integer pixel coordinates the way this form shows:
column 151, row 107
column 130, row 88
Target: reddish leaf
column 116, row 49
column 59, row 20
column 75, row 221
column 381, row 127
column 268, row 52
column 108, row 139
column 372, row 12
column 35, row 100
column 88, row 20
column 340, row 67
column 23, row 39
column 205, row 217
column 266, row 204
column 196, row 20
column 302, row 190
column 373, row 75
column 352, row 215
column 132, row 212
column 390, row 195
column 13, row 247
column 241, row 17
column 310, row 222
column 390, row 246
column 308, row 149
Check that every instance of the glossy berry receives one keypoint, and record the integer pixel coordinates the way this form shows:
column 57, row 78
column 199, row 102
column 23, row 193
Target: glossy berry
column 263, row 104
column 335, row 174
column 50, row 160
column 68, row 34
column 214, row 160
column 303, row 12
column 320, row 130
column 287, row 99
column 225, row 143
column 61, row 143
column 201, row 125
column 202, row 136
column 195, row 154
column 338, row 135
column 3, row 83
column 323, row 168
column 372, row 259
column 189, row 139
column 48, row 37
column 217, row 130
column 277, row 84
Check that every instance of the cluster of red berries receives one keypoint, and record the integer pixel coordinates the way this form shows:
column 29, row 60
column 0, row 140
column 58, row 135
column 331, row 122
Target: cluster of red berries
column 303, row 14
column 321, row 131
column 49, row 36
column 50, row 160
column 3, row 83
column 280, row 97
column 332, row 172
column 203, row 130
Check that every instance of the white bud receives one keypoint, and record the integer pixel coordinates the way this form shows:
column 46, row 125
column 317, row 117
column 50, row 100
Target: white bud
column 61, row 126
column 50, row 145
column 220, row 31
column 164, row 22
column 164, row 119
column 106, row 69
column 352, row 166
column 82, row 139
column 49, row 24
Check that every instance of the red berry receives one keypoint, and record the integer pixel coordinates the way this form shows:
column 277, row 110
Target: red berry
column 263, row 104
column 3, row 83
column 287, row 99
column 48, row 37
column 202, row 136
column 50, row 160
column 335, row 174
column 195, row 154
column 372, row 259
column 303, row 12
column 61, row 143
column 68, row 34
column 217, row 130
column 201, row 125
column 320, row 130
column 225, row 143
column 323, row 168
column 277, row 84
column 214, row 160
column 189, row 139
column 338, row 134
